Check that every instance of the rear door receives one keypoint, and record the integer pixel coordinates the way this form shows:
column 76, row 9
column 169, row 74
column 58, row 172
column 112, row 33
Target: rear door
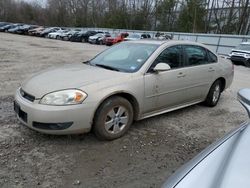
column 199, row 70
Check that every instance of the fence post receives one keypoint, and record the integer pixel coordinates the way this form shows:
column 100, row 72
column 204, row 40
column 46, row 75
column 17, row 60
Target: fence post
column 218, row 44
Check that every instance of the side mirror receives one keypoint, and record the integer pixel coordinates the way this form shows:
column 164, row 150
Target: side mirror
column 160, row 67
column 244, row 98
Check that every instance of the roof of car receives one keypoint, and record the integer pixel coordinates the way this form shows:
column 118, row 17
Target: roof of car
column 248, row 43
column 170, row 43
column 161, row 42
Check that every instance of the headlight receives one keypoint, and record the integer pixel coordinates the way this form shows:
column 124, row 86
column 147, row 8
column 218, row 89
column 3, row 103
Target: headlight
column 64, row 97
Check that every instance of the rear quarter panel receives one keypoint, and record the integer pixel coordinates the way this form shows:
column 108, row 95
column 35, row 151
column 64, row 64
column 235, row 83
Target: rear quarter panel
column 226, row 71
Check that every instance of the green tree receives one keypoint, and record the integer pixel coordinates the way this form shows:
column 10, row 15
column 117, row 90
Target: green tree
column 166, row 12
column 192, row 16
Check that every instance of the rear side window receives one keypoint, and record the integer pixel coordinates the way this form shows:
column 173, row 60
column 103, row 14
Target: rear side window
column 211, row 57
column 195, row 55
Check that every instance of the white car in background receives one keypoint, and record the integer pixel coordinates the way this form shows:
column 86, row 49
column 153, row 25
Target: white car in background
column 58, row 34
column 241, row 54
column 137, row 36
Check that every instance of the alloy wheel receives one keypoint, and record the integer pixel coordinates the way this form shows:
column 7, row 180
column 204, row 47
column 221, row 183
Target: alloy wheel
column 216, row 93
column 116, row 119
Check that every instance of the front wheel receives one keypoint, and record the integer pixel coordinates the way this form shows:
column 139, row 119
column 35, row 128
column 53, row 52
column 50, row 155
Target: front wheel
column 214, row 94
column 113, row 118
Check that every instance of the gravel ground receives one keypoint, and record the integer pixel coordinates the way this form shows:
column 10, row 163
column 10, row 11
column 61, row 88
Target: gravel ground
column 151, row 151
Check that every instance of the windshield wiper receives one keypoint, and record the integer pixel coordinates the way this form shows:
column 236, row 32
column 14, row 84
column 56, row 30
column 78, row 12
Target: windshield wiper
column 107, row 67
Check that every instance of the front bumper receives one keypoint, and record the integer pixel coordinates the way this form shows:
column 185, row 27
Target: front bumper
column 92, row 41
column 60, row 120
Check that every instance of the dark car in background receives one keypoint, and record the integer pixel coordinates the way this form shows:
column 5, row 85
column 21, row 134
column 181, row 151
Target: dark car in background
column 9, row 26
column 25, row 28
column 14, row 29
column 3, row 24
column 66, row 36
column 82, row 36
column 241, row 54
column 48, row 30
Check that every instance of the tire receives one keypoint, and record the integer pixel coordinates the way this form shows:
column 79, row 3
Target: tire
column 247, row 63
column 214, row 94
column 113, row 118
column 58, row 38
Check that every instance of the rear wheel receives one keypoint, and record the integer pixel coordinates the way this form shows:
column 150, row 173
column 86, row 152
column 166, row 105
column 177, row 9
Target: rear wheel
column 113, row 118
column 84, row 40
column 100, row 42
column 214, row 94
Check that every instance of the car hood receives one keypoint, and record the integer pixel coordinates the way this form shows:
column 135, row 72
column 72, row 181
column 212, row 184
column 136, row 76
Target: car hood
column 94, row 37
column 54, row 33
column 223, row 165
column 240, row 51
column 67, row 77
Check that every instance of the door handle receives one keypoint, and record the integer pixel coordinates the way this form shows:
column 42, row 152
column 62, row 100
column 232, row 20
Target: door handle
column 211, row 69
column 181, row 75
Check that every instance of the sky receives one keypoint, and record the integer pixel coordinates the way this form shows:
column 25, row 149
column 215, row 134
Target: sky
column 41, row 2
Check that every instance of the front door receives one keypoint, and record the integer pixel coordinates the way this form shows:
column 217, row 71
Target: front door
column 165, row 89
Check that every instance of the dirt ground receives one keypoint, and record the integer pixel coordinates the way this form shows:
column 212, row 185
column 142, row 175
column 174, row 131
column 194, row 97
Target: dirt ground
column 151, row 151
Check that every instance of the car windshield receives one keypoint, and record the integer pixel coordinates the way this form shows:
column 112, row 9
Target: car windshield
column 245, row 47
column 124, row 57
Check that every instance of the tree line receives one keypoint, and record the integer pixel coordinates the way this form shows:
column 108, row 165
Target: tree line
column 203, row 16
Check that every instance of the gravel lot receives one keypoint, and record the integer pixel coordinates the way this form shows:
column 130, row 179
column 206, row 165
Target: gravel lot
column 151, row 151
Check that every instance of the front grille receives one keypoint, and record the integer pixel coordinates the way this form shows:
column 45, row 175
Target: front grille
column 27, row 96
column 238, row 58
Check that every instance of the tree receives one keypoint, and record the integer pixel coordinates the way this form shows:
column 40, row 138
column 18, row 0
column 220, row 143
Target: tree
column 166, row 14
column 192, row 16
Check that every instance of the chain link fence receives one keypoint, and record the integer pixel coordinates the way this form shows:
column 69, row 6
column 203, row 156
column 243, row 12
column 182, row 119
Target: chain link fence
column 221, row 44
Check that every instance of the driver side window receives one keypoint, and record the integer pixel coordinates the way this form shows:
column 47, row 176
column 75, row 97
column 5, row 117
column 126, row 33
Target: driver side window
column 172, row 56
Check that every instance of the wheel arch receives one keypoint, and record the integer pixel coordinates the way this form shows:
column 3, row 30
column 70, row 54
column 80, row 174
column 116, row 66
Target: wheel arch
column 128, row 96
column 223, row 82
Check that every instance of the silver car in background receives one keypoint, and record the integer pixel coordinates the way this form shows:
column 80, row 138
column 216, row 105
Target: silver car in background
column 130, row 81
column 225, row 164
